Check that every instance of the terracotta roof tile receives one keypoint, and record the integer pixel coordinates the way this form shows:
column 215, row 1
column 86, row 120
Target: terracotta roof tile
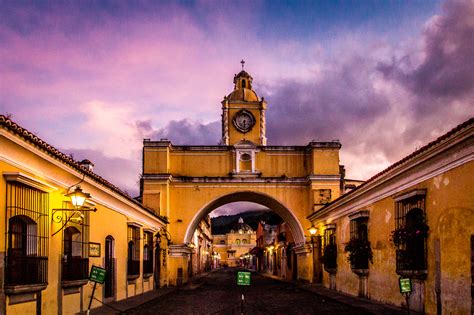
column 408, row 158
column 14, row 128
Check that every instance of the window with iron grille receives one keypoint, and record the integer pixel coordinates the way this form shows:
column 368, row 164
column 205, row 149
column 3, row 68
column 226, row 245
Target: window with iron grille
column 148, row 253
column 330, row 248
column 359, row 246
column 411, row 232
column 75, row 261
column 27, row 233
column 133, row 261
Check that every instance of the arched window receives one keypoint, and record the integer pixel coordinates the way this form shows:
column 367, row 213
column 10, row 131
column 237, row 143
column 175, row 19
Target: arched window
column 237, row 241
column 148, row 253
column 22, row 236
column 411, row 232
column 415, row 245
column 244, row 84
column 244, row 241
column 72, row 242
column 27, row 234
column 133, row 252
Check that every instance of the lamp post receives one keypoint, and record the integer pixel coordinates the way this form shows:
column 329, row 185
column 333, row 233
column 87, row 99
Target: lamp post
column 313, row 231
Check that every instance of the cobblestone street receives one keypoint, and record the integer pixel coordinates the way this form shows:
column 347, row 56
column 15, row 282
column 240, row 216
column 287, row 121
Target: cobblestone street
column 218, row 293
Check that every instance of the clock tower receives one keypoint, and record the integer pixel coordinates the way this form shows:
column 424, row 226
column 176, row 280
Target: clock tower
column 243, row 113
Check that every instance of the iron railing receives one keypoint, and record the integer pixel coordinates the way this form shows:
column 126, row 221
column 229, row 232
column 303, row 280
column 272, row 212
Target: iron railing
column 148, row 266
column 410, row 260
column 133, row 268
column 75, row 268
column 22, row 270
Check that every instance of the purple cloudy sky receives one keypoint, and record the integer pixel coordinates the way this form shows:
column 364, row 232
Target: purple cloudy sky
column 94, row 78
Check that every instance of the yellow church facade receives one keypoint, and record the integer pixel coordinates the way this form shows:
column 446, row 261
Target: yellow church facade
column 234, row 245
column 186, row 182
column 49, row 241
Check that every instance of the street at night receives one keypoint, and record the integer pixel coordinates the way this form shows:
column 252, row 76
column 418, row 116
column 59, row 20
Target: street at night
column 218, row 293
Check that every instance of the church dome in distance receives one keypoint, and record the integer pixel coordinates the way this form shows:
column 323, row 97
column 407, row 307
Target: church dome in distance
column 241, row 227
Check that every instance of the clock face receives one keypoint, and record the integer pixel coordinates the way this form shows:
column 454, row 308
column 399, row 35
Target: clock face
column 244, row 121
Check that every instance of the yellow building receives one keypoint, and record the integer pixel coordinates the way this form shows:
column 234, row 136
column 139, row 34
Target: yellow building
column 201, row 247
column 417, row 216
column 51, row 241
column 233, row 246
column 186, row 182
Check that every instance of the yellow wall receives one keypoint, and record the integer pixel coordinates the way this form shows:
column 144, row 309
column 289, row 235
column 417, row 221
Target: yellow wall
column 113, row 213
column 450, row 216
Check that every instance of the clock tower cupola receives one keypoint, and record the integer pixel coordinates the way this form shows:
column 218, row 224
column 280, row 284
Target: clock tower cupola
column 243, row 113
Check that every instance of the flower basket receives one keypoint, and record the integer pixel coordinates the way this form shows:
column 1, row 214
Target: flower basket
column 360, row 253
column 401, row 235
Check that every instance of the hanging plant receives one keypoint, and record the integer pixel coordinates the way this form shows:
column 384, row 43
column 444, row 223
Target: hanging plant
column 360, row 252
column 401, row 235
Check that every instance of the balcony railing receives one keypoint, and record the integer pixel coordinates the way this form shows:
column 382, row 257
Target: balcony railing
column 133, row 268
column 147, row 266
column 22, row 270
column 75, row 268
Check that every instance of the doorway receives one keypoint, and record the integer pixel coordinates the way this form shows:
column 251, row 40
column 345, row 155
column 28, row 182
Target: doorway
column 109, row 288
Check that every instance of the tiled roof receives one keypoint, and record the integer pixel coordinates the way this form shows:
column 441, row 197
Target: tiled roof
column 26, row 135
column 418, row 152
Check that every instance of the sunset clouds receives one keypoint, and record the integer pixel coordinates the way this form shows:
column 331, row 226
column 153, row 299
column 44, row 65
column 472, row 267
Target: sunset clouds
column 95, row 78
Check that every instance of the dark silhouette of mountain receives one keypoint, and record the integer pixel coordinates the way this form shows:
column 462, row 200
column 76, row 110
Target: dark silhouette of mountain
column 223, row 224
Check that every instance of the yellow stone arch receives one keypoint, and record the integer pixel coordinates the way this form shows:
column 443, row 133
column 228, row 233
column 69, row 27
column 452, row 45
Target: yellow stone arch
column 250, row 196
column 185, row 182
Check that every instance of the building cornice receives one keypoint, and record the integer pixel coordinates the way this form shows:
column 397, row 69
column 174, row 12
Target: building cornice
column 27, row 140
column 447, row 152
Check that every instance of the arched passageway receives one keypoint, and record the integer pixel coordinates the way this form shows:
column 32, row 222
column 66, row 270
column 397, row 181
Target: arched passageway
column 249, row 196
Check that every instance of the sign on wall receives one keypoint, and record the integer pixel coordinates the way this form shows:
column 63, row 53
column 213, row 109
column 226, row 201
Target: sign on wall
column 94, row 249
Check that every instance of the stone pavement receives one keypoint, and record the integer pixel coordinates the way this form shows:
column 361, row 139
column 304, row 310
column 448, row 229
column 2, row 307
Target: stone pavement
column 369, row 306
column 122, row 306
column 357, row 302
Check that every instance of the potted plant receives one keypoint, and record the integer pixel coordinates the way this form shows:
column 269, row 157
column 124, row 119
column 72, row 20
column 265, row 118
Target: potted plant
column 401, row 235
column 360, row 253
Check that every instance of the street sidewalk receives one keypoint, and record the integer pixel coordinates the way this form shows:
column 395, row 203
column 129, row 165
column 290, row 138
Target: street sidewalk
column 369, row 306
column 119, row 307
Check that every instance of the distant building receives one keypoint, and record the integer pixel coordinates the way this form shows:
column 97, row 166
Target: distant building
column 234, row 246
column 201, row 245
column 274, row 251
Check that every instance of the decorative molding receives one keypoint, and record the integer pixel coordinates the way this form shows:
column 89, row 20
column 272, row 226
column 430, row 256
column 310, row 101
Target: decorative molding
column 330, row 226
column 135, row 224
column 359, row 214
column 416, row 192
column 29, row 181
column 179, row 250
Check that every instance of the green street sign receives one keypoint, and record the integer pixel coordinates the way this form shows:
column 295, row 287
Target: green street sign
column 243, row 278
column 405, row 285
column 97, row 274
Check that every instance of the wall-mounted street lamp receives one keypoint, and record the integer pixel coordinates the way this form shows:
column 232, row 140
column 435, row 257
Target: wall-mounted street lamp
column 314, row 237
column 163, row 232
column 78, row 199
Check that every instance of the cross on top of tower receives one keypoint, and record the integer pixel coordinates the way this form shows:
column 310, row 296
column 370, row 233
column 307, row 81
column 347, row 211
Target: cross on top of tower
column 243, row 63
